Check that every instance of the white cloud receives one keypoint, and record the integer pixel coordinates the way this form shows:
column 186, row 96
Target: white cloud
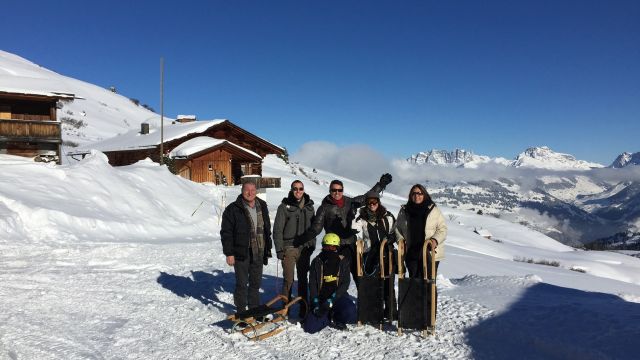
column 358, row 162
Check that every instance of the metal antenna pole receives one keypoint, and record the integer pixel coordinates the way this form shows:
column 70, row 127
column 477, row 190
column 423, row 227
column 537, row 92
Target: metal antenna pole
column 161, row 110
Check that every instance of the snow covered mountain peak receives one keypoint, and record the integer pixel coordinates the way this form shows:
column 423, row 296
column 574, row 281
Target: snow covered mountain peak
column 626, row 159
column 456, row 157
column 545, row 158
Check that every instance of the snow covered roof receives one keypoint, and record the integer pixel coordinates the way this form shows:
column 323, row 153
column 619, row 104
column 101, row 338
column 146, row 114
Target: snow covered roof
column 53, row 94
column 133, row 140
column 202, row 143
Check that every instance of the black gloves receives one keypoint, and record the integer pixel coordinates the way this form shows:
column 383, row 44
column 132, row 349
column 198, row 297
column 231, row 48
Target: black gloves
column 280, row 254
column 320, row 310
column 265, row 261
column 391, row 238
column 302, row 239
column 385, row 179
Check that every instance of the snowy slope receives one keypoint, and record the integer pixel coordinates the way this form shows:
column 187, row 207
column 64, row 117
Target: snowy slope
column 111, row 263
column 97, row 114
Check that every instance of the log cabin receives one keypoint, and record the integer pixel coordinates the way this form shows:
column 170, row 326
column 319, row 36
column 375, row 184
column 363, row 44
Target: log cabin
column 29, row 124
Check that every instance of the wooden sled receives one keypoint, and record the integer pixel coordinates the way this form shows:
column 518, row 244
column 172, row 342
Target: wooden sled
column 417, row 297
column 264, row 321
column 371, row 297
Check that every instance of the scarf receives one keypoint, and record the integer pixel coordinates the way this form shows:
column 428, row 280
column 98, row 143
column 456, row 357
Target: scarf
column 416, row 221
column 338, row 203
column 256, row 243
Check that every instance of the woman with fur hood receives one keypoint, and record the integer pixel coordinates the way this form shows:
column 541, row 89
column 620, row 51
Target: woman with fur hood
column 375, row 224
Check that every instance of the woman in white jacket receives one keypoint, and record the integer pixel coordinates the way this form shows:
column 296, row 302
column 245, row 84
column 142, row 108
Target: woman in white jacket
column 420, row 220
column 375, row 224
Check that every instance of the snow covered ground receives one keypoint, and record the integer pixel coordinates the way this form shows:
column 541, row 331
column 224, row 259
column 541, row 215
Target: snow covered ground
column 126, row 263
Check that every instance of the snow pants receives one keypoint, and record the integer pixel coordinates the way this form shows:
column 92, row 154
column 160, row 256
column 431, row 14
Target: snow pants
column 343, row 311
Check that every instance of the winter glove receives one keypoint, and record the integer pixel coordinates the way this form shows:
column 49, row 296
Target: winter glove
column 265, row 261
column 392, row 238
column 385, row 179
column 315, row 304
column 280, row 254
column 301, row 239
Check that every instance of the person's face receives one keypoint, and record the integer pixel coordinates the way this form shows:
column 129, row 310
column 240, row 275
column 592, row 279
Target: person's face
column 249, row 192
column 373, row 204
column 298, row 190
column 336, row 192
column 417, row 196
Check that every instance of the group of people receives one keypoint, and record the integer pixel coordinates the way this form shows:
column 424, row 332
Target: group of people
column 247, row 244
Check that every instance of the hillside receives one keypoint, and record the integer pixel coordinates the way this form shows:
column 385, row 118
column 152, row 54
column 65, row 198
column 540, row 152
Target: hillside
column 96, row 114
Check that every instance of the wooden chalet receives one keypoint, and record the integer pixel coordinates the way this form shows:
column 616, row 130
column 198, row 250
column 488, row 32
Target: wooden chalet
column 29, row 125
column 205, row 159
column 229, row 153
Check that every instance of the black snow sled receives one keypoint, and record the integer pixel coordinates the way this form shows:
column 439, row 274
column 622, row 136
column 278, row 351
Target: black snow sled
column 263, row 321
column 417, row 296
column 371, row 294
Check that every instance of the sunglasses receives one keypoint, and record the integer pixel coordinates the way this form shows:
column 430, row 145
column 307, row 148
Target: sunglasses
column 297, row 189
column 336, row 190
column 373, row 202
column 417, row 193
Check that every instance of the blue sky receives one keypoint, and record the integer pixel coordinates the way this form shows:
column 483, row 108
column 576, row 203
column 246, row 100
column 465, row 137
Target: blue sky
column 494, row 77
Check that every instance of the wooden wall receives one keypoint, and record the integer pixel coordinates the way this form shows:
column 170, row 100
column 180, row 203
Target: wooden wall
column 198, row 168
column 28, row 126
column 31, row 129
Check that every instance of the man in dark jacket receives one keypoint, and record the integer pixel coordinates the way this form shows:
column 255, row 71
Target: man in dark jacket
column 328, row 285
column 335, row 215
column 246, row 241
column 293, row 218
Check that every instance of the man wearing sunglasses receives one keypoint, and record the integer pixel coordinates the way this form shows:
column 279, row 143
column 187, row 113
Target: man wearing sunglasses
column 293, row 218
column 336, row 214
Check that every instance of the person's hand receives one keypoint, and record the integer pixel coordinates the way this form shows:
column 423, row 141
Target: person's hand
column 265, row 261
column 280, row 254
column 300, row 240
column 391, row 238
column 231, row 260
column 385, row 179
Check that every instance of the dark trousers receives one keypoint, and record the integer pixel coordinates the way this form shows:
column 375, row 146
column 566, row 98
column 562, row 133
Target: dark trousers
column 300, row 258
column 344, row 311
column 349, row 252
column 248, row 279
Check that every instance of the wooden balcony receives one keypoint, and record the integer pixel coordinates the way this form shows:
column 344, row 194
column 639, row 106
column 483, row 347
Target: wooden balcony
column 30, row 130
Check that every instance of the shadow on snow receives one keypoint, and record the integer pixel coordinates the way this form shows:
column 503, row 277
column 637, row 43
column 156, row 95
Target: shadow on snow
column 552, row 322
column 207, row 287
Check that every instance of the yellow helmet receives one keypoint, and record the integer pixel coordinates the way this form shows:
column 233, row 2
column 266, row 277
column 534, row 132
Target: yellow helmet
column 331, row 239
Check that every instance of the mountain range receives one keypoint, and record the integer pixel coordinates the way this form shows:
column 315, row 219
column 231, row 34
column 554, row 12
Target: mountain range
column 574, row 201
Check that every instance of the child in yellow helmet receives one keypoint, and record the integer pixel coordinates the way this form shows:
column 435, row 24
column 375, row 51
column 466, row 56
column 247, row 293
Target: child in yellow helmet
column 328, row 284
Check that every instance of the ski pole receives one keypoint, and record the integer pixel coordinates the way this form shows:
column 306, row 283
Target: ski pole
column 194, row 211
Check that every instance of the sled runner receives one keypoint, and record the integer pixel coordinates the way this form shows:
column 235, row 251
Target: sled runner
column 417, row 296
column 263, row 321
column 371, row 296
